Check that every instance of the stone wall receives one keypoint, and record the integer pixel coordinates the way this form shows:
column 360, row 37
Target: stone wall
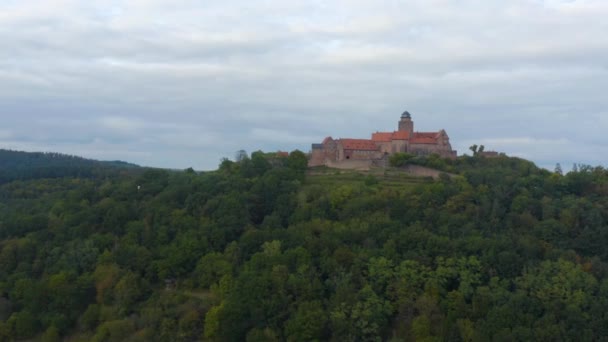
column 361, row 155
column 350, row 164
column 399, row 146
column 489, row 154
column 317, row 157
column 427, row 149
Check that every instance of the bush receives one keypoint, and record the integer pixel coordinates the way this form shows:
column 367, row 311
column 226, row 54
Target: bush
column 399, row 159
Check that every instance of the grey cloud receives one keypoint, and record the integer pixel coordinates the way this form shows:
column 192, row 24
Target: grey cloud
column 184, row 83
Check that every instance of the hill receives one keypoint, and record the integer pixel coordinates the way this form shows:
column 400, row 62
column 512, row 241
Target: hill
column 265, row 250
column 17, row 165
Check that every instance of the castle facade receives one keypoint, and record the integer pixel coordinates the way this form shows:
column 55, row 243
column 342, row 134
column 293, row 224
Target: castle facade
column 333, row 152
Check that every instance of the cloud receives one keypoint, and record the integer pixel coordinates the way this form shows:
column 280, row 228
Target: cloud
column 121, row 124
column 279, row 136
column 5, row 134
column 183, row 83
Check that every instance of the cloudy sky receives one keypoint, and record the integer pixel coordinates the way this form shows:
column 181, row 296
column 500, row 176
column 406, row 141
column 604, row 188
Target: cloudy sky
column 180, row 83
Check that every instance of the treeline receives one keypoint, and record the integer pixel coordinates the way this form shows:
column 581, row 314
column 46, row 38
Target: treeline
column 258, row 251
column 17, row 165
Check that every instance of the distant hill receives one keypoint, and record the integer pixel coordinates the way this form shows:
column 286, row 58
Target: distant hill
column 18, row 165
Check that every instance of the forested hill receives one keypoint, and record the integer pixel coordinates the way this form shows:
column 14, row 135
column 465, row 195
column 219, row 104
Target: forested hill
column 17, row 165
column 265, row 250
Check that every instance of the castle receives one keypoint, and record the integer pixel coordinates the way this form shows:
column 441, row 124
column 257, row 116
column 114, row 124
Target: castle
column 375, row 151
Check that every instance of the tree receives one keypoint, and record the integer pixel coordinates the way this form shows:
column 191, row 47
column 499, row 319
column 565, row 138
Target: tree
column 558, row 169
column 106, row 276
column 399, row 159
column 6, row 308
column 51, row 335
column 211, row 268
column 114, row 331
column 226, row 165
column 24, row 324
column 308, row 323
column 240, row 155
column 90, row 318
column 364, row 319
column 557, row 283
column 259, row 163
column 128, row 291
column 381, row 272
column 189, row 326
column 262, row 335
column 212, row 321
column 297, row 161
column 473, row 149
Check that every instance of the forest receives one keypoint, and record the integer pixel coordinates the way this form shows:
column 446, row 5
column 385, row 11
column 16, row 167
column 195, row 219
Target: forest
column 16, row 165
column 265, row 249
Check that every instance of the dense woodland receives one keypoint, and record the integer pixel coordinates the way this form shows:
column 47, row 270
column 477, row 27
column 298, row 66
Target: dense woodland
column 16, row 165
column 265, row 250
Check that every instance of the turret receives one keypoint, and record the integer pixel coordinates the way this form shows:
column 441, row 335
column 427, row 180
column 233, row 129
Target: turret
column 406, row 123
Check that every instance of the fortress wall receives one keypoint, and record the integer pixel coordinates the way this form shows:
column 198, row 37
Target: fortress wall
column 317, row 158
column 363, row 155
column 443, row 151
column 400, row 145
column 350, row 164
column 385, row 147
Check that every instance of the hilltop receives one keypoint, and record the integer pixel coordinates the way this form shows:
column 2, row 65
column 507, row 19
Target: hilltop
column 18, row 165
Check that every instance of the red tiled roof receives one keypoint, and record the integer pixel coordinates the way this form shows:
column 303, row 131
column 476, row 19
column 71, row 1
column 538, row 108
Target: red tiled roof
column 282, row 154
column 382, row 136
column 370, row 145
column 423, row 141
column 425, row 138
column 359, row 144
column 389, row 136
column 426, row 134
column 401, row 135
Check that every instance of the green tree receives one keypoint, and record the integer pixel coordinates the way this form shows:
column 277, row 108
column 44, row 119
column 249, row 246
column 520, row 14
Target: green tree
column 297, row 161
column 211, row 268
column 51, row 335
column 558, row 169
column 308, row 323
column 24, row 325
column 111, row 331
column 128, row 291
column 366, row 319
column 399, row 159
column 474, row 148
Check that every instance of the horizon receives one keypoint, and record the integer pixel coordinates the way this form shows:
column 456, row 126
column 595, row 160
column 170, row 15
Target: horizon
column 565, row 169
column 181, row 84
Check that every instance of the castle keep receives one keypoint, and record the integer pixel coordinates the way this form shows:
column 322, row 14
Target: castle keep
column 344, row 152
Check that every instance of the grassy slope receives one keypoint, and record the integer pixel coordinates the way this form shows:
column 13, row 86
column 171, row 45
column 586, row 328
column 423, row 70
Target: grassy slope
column 394, row 179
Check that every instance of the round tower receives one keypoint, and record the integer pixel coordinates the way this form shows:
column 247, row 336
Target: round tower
column 406, row 124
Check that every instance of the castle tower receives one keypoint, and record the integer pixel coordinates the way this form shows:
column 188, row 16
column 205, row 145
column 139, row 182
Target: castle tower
column 406, row 123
